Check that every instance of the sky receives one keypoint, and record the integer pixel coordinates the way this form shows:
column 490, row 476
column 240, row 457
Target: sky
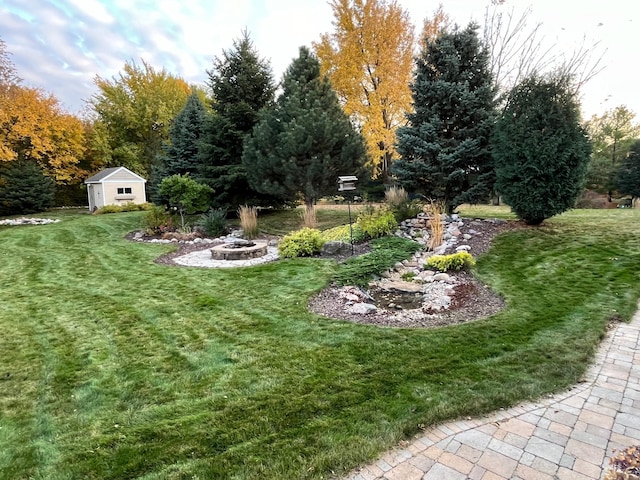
column 61, row 46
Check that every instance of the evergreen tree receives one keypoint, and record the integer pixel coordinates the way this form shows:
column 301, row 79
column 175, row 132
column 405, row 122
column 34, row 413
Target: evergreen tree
column 301, row 146
column 541, row 151
column 444, row 149
column 241, row 85
column 24, row 188
column 180, row 152
column 628, row 176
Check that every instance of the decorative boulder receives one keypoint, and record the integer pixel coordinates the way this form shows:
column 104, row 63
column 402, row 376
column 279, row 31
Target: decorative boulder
column 335, row 248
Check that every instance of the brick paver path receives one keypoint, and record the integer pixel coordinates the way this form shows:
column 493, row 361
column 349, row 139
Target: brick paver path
column 566, row 436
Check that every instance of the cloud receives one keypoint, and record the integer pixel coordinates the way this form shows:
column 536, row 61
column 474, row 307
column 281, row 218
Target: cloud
column 61, row 45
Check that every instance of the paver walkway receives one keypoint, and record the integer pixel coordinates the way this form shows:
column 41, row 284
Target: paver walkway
column 566, row 436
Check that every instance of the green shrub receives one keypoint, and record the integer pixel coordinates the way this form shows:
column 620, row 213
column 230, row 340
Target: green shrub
column 387, row 251
column 302, row 243
column 408, row 209
column 455, row 261
column 214, row 222
column 125, row 207
column 377, row 222
column 341, row 233
column 157, row 221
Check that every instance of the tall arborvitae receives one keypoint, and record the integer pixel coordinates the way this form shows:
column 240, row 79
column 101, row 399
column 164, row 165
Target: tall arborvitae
column 541, row 151
column 180, row 152
column 241, row 84
column 444, row 150
column 299, row 148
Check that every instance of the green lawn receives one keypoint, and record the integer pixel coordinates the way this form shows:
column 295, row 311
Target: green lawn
column 115, row 367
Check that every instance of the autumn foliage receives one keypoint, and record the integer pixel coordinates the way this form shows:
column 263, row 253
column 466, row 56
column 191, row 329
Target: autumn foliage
column 33, row 127
column 133, row 112
column 368, row 59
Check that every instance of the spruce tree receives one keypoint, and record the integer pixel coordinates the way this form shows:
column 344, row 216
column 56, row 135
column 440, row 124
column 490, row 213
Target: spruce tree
column 241, row 84
column 444, row 149
column 541, row 151
column 24, row 188
column 628, row 175
column 300, row 147
column 180, row 153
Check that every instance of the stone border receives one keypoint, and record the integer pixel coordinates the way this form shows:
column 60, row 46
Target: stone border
column 28, row 221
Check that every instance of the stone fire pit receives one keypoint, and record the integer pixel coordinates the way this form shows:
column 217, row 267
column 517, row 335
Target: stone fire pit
column 240, row 249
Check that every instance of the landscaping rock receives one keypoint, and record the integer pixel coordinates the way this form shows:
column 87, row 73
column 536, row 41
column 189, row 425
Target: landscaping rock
column 335, row 247
column 363, row 308
column 401, row 286
column 28, row 221
column 442, row 277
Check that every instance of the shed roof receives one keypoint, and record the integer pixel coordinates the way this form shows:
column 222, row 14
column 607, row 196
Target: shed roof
column 107, row 172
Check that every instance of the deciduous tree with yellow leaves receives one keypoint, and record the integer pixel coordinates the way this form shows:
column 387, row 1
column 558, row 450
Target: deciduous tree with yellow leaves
column 33, row 127
column 132, row 115
column 368, row 59
column 39, row 143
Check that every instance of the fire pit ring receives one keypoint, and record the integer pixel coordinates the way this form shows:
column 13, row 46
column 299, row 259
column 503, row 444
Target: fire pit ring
column 240, row 250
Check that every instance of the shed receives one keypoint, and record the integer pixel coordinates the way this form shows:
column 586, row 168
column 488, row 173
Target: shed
column 115, row 186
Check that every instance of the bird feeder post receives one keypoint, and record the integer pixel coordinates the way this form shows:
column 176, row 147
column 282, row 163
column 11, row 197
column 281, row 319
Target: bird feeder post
column 347, row 184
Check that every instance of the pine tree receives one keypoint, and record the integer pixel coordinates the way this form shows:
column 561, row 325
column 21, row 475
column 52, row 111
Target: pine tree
column 541, row 151
column 444, row 150
column 24, row 188
column 628, row 175
column 301, row 146
column 180, row 152
column 241, row 84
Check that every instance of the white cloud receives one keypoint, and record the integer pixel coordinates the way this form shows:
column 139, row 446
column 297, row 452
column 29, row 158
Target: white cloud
column 93, row 10
column 96, row 37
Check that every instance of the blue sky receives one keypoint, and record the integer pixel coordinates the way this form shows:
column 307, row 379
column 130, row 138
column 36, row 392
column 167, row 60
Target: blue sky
column 61, row 45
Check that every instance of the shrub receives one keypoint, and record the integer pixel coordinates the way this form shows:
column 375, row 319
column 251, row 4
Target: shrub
column 387, row 251
column 302, row 243
column 456, row 261
column 342, row 233
column 408, row 209
column 157, row 221
column 591, row 199
column 377, row 222
column 125, row 207
column 249, row 221
column 214, row 222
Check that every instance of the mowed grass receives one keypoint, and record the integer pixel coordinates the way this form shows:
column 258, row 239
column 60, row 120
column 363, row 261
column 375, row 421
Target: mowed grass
column 115, row 367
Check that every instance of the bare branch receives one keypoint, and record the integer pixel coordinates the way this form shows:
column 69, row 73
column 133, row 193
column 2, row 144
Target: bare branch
column 519, row 49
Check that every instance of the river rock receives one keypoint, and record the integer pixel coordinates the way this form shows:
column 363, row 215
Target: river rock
column 442, row 277
column 363, row 308
column 401, row 286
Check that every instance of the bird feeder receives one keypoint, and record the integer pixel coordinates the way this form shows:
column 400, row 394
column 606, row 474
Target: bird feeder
column 347, row 183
